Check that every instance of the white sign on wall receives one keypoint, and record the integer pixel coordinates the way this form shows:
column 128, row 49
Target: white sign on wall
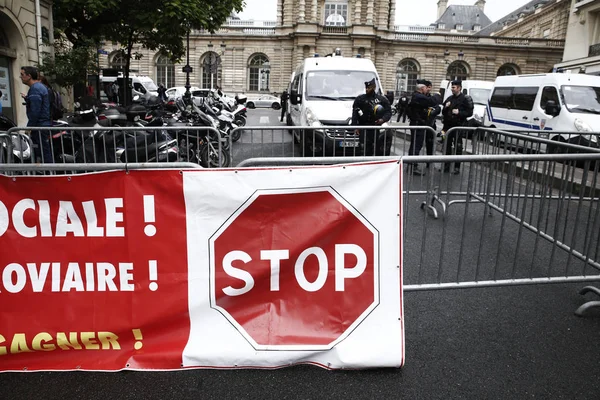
column 5, row 87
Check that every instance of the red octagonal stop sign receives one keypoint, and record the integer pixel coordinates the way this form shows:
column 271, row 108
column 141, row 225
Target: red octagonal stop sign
column 295, row 269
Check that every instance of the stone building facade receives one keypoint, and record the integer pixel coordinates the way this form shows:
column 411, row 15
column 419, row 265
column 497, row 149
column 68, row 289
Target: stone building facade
column 582, row 49
column 256, row 56
column 23, row 24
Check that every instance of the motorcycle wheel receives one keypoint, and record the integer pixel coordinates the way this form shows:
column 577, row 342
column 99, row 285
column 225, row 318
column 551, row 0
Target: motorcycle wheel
column 209, row 158
column 240, row 121
column 237, row 135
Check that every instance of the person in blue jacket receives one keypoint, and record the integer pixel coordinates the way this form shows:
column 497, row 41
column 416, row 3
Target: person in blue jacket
column 37, row 102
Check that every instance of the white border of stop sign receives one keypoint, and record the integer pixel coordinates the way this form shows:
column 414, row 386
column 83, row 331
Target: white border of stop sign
column 244, row 206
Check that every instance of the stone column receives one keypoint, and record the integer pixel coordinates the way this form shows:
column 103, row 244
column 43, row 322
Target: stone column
column 315, row 16
column 392, row 14
column 301, row 10
column 280, row 21
column 370, row 12
column 357, row 11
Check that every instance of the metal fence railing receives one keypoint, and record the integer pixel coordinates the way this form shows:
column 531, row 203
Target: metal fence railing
column 65, row 146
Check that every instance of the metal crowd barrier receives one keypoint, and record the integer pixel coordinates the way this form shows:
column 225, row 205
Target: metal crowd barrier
column 515, row 227
column 109, row 145
column 322, row 141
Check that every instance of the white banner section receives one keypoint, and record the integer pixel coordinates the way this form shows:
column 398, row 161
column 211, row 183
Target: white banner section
column 295, row 265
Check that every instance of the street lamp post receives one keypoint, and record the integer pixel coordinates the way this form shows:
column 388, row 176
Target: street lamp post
column 264, row 74
column 187, row 69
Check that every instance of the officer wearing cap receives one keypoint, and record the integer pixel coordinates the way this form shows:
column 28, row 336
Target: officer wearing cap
column 372, row 109
column 418, row 112
column 432, row 114
column 456, row 111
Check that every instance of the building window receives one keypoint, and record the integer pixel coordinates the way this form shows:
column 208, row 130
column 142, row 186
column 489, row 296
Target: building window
column 165, row 71
column 407, row 74
column 259, row 71
column 336, row 13
column 457, row 70
column 507, row 69
column 441, row 26
column 459, row 27
column 211, row 70
column 118, row 61
column 476, row 28
column 546, row 33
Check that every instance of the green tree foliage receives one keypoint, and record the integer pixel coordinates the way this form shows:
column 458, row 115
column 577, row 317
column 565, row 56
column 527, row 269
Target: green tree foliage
column 155, row 24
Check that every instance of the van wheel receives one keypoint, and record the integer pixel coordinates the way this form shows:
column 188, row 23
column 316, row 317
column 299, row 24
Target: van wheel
column 555, row 148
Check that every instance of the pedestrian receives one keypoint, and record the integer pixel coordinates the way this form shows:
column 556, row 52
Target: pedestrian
column 109, row 92
column 115, row 91
column 56, row 108
column 284, row 99
column 37, row 103
column 402, row 106
column 371, row 108
column 419, row 111
column 162, row 92
column 456, row 111
column 0, row 102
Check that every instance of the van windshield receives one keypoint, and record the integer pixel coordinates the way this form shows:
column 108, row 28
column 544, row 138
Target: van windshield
column 150, row 85
column 337, row 85
column 480, row 96
column 581, row 99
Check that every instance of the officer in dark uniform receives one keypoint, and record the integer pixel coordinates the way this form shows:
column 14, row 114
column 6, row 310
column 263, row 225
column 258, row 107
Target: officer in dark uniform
column 432, row 114
column 456, row 111
column 372, row 109
column 402, row 106
column 284, row 99
column 418, row 112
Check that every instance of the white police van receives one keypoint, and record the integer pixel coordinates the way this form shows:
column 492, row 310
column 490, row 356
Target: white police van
column 562, row 107
column 142, row 86
column 322, row 91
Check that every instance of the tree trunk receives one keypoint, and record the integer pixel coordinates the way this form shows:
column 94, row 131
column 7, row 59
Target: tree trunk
column 127, row 88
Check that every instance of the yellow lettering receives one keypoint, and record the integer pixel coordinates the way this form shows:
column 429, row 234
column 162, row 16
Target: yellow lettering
column 89, row 340
column 19, row 344
column 2, row 348
column 109, row 339
column 39, row 342
column 64, row 343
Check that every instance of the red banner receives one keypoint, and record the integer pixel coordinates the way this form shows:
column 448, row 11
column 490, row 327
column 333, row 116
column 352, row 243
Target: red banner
column 167, row 269
column 93, row 264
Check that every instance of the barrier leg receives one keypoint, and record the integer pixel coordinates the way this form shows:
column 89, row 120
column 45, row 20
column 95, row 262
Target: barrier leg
column 429, row 203
column 580, row 312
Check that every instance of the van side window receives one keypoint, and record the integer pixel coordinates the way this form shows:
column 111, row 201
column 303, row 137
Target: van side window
column 138, row 87
column 500, row 97
column 295, row 82
column 524, row 97
column 549, row 93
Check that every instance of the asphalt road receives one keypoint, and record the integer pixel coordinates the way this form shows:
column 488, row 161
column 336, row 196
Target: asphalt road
column 515, row 342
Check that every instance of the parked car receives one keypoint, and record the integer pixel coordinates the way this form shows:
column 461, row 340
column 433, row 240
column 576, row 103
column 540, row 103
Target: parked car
column 179, row 91
column 265, row 100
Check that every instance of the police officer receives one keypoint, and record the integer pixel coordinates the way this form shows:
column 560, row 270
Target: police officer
column 284, row 99
column 418, row 112
column 456, row 111
column 402, row 106
column 432, row 114
column 372, row 109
